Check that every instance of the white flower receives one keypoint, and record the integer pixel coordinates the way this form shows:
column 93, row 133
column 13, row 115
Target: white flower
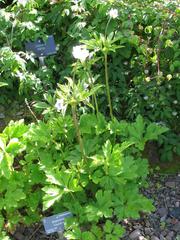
column 146, row 71
column 175, row 101
column 113, row 13
column 126, row 63
column 126, row 73
column 23, row 2
column 169, row 86
column 85, row 86
column 81, row 25
column 152, row 105
column 60, row 106
column 147, row 79
column 80, row 52
column 169, row 77
column 161, row 123
column 66, row 12
column 174, row 113
column 145, row 97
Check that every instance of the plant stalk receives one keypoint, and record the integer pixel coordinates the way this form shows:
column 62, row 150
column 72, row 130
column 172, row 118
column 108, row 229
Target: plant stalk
column 94, row 95
column 107, row 85
column 78, row 132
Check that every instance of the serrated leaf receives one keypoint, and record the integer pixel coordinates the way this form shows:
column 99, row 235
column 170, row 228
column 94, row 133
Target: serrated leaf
column 53, row 194
column 14, row 147
column 153, row 131
column 6, row 162
column 87, row 123
column 108, row 227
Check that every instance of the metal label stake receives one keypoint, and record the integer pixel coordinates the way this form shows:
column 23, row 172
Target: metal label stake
column 41, row 61
column 61, row 236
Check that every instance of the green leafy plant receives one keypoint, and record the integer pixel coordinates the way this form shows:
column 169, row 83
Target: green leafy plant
column 103, row 187
column 16, row 185
column 169, row 146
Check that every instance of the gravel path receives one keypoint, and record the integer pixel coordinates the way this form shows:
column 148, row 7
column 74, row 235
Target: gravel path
column 163, row 224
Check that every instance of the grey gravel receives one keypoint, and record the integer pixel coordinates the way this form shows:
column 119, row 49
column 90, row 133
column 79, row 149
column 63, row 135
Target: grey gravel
column 135, row 234
column 159, row 225
column 171, row 184
column 162, row 212
column 154, row 238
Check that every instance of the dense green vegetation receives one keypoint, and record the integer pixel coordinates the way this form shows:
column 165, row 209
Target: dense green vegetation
column 112, row 87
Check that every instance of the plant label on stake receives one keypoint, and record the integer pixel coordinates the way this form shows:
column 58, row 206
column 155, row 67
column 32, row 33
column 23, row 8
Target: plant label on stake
column 42, row 48
column 55, row 223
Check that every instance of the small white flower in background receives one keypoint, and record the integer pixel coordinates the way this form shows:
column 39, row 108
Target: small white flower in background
column 80, row 52
column 169, row 77
column 146, row 71
column 145, row 97
column 152, row 105
column 174, row 113
column 169, row 86
column 60, row 106
column 148, row 79
column 161, row 123
column 126, row 73
column 81, row 25
column 126, row 63
column 175, row 101
column 66, row 12
column 23, row 2
column 113, row 13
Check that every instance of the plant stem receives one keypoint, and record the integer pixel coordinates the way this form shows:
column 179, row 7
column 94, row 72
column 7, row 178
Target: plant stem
column 107, row 85
column 107, row 27
column 94, row 95
column 78, row 132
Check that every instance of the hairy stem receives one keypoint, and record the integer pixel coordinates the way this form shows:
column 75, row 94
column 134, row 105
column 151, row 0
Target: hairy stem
column 107, row 85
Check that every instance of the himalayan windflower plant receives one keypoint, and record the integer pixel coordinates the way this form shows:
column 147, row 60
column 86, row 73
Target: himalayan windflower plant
column 80, row 52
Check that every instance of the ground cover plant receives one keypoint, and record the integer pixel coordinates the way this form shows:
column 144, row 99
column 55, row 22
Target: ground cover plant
column 85, row 155
column 98, row 183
